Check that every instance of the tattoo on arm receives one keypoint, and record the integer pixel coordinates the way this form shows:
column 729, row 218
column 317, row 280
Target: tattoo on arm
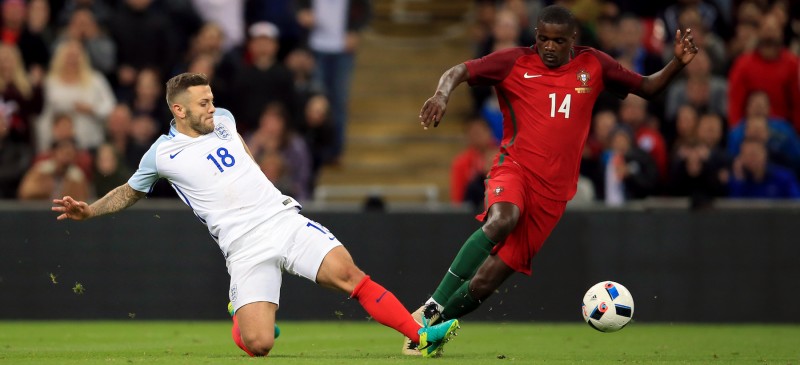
column 116, row 200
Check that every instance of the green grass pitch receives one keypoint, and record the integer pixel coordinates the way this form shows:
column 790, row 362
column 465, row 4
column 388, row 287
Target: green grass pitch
column 150, row 342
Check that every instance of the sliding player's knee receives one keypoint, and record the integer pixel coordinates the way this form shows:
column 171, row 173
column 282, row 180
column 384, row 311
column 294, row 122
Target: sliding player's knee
column 350, row 276
column 260, row 344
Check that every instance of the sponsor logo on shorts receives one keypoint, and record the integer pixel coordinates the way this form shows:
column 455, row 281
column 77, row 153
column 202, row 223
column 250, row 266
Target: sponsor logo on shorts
column 498, row 190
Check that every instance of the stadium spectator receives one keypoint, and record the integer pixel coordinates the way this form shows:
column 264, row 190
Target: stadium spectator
column 204, row 63
column 184, row 23
column 274, row 136
column 38, row 20
column 758, row 108
column 334, row 28
column 229, row 15
column 603, row 122
column 701, row 89
column 100, row 10
column 505, row 33
column 20, row 98
column 607, row 29
column 144, row 130
column 72, row 87
column 782, row 148
column 208, row 43
column 629, row 46
column 56, row 176
column 15, row 158
column 118, row 130
column 713, row 19
column 64, row 129
column 711, row 131
column 148, row 99
column 109, row 170
column 318, row 134
column 263, row 80
column 282, row 14
column 698, row 172
column 633, row 113
column 144, row 38
column 100, row 48
column 14, row 30
column 685, row 126
column 745, row 36
column 592, row 160
column 708, row 42
column 525, row 11
column 630, row 172
column 754, row 176
column 469, row 168
column 301, row 63
column 770, row 68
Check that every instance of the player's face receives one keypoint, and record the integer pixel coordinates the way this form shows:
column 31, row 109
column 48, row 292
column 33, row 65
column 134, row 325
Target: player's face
column 554, row 43
column 200, row 109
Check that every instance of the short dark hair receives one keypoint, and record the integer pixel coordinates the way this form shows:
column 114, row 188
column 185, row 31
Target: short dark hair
column 555, row 14
column 180, row 83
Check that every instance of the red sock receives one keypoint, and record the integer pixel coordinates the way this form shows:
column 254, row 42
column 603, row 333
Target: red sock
column 237, row 336
column 384, row 307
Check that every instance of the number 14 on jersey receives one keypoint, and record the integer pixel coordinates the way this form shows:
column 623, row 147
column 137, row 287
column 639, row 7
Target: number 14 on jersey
column 563, row 108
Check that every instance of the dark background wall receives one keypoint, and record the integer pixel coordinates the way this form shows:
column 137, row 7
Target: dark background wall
column 158, row 262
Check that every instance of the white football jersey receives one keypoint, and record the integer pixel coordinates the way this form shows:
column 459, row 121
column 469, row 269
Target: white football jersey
column 213, row 175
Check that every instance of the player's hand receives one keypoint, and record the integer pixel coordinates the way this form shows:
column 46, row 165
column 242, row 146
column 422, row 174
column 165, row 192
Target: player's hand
column 432, row 111
column 685, row 49
column 71, row 208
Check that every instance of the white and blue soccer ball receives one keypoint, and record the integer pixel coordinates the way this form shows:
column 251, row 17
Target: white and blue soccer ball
column 607, row 306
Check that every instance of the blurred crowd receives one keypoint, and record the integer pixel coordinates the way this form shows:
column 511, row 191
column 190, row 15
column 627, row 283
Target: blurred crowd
column 82, row 96
column 727, row 127
column 81, row 91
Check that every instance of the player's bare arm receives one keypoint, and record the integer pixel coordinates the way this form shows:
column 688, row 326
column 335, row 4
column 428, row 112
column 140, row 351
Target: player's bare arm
column 434, row 108
column 684, row 51
column 116, row 200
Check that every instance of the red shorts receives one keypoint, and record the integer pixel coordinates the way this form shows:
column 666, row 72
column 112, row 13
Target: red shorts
column 508, row 182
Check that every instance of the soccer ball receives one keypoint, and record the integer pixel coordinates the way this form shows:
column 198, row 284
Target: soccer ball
column 607, row 306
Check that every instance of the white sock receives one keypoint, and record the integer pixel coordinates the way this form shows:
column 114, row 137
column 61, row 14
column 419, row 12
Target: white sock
column 439, row 307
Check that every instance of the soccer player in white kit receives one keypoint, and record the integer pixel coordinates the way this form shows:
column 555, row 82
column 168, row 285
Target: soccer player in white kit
column 258, row 229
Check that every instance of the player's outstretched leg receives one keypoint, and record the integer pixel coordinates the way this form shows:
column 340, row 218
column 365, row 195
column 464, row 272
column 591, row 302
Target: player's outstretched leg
column 340, row 272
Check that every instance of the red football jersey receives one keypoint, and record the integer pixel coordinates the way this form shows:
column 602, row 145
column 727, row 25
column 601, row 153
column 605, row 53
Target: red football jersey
column 547, row 112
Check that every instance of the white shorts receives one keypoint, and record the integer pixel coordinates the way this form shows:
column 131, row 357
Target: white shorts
column 287, row 242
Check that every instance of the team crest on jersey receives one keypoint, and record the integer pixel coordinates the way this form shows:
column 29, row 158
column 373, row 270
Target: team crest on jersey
column 222, row 132
column 584, row 78
column 498, row 190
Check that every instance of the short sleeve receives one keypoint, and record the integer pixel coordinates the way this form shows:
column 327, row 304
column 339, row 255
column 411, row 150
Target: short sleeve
column 221, row 112
column 494, row 67
column 618, row 80
column 147, row 174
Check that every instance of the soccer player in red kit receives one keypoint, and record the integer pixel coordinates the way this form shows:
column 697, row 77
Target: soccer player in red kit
column 546, row 93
